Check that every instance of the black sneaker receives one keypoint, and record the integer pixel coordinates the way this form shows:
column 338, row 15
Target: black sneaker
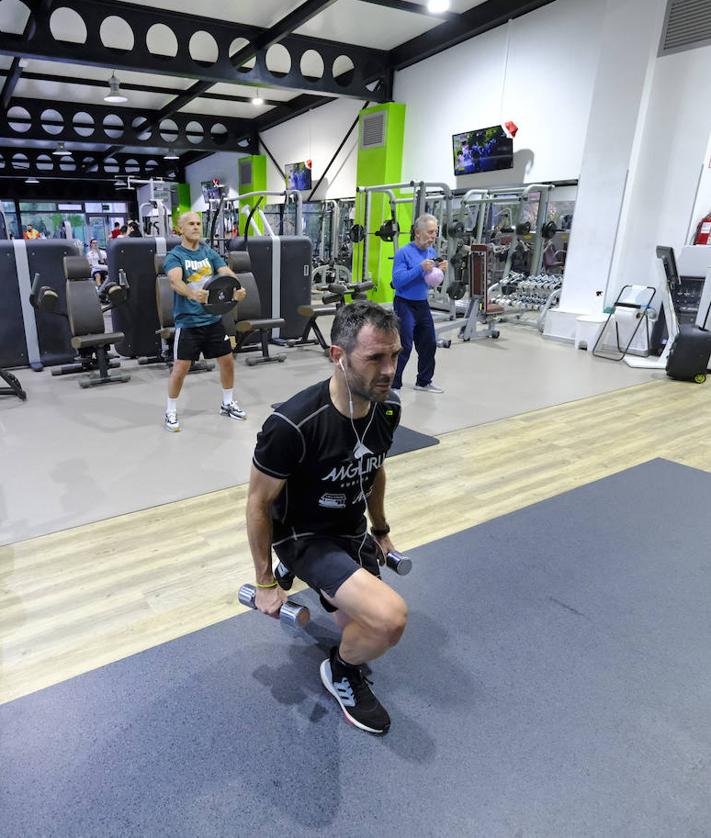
column 351, row 689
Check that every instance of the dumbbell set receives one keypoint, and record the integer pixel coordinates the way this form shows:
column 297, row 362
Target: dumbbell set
column 293, row 615
column 528, row 293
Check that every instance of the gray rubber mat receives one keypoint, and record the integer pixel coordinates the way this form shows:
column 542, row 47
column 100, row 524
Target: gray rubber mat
column 554, row 680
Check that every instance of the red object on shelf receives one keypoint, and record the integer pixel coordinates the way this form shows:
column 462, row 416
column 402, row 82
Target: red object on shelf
column 511, row 127
column 703, row 231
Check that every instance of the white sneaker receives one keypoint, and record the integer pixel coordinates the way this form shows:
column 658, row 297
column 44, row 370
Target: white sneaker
column 233, row 410
column 171, row 422
column 429, row 388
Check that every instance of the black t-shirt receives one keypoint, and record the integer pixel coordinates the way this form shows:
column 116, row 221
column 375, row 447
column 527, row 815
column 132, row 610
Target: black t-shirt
column 312, row 446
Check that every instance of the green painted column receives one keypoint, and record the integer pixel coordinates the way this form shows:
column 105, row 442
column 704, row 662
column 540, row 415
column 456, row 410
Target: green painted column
column 379, row 163
column 184, row 203
column 252, row 177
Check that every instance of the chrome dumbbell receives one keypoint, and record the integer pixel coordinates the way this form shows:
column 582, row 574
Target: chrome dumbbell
column 290, row 614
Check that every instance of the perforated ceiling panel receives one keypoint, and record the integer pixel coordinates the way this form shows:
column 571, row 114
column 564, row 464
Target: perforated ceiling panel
column 373, row 130
column 687, row 25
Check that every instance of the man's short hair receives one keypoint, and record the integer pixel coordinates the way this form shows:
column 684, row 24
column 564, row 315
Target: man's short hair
column 350, row 319
column 423, row 220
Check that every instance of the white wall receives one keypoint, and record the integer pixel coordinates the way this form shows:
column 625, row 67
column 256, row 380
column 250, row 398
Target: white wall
column 674, row 148
column 552, row 60
column 315, row 136
column 222, row 165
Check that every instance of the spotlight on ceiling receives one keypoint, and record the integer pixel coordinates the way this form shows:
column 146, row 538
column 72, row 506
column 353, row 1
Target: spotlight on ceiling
column 171, row 155
column 114, row 95
column 436, row 7
column 257, row 100
column 60, row 151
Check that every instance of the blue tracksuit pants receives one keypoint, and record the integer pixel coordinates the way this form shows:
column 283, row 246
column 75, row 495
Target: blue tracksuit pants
column 416, row 326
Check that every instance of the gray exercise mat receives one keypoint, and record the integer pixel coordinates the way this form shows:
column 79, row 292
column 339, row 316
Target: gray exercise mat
column 554, row 680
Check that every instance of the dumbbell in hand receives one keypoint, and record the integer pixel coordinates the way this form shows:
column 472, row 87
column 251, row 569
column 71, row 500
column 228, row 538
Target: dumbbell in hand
column 398, row 562
column 290, row 614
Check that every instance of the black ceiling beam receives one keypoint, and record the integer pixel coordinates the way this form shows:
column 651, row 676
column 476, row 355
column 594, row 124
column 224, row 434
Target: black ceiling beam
column 368, row 64
column 268, row 38
column 40, row 163
column 414, row 8
column 139, row 88
column 13, row 76
column 281, row 29
column 16, row 127
column 473, row 22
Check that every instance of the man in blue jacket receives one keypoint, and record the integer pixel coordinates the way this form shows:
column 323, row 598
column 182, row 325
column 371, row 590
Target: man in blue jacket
column 411, row 264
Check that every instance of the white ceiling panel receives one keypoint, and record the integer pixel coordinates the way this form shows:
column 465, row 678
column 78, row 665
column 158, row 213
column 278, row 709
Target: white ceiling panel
column 355, row 22
column 237, row 110
column 252, row 12
column 458, row 6
column 56, row 68
column 5, row 62
column 75, row 93
column 13, row 16
column 226, row 89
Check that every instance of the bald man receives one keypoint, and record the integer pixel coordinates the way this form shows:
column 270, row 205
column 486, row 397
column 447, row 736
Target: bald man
column 196, row 330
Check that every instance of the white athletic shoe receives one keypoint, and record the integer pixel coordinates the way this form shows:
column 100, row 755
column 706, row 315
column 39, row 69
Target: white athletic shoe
column 171, row 422
column 233, row 410
column 429, row 388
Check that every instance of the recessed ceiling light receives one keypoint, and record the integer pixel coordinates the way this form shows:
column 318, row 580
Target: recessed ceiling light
column 436, row 7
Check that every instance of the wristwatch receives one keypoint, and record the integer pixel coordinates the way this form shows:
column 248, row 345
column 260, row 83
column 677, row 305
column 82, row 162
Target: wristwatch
column 379, row 532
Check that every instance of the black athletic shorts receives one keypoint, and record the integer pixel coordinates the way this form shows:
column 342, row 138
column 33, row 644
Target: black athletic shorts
column 211, row 340
column 326, row 562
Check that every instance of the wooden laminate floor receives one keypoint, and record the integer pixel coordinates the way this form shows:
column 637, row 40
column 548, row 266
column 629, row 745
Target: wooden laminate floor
column 79, row 599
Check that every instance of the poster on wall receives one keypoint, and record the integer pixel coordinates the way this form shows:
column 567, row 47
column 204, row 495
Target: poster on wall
column 298, row 175
column 211, row 189
column 483, row 150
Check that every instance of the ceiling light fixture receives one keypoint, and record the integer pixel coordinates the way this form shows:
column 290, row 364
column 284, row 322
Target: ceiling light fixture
column 171, row 155
column 114, row 95
column 31, row 180
column 257, row 100
column 436, row 7
column 60, row 151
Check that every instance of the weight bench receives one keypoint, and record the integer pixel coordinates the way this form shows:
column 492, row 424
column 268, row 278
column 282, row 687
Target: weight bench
column 248, row 322
column 14, row 387
column 86, row 322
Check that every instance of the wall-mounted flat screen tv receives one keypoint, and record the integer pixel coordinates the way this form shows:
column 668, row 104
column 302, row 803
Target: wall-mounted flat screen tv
column 298, row 176
column 484, row 150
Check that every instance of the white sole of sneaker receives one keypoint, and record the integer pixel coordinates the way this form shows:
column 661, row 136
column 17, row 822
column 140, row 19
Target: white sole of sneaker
column 326, row 680
column 172, row 430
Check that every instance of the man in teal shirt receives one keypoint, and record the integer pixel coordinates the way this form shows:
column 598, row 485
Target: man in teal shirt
column 196, row 330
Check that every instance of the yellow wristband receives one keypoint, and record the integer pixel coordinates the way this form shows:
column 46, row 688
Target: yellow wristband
column 272, row 585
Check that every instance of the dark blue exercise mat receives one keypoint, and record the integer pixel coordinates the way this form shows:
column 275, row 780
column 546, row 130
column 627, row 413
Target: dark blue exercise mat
column 405, row 440
column 554, row 680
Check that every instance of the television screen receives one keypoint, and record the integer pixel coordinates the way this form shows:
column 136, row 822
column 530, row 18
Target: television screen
column 298, row 176
column 485, row 150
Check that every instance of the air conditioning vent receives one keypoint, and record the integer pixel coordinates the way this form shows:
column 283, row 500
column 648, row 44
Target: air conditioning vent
column 687, row 25
column 373, row 130
column 245, row 172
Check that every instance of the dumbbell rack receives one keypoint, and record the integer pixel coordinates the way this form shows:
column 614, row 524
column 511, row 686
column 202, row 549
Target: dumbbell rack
column 527, row 299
